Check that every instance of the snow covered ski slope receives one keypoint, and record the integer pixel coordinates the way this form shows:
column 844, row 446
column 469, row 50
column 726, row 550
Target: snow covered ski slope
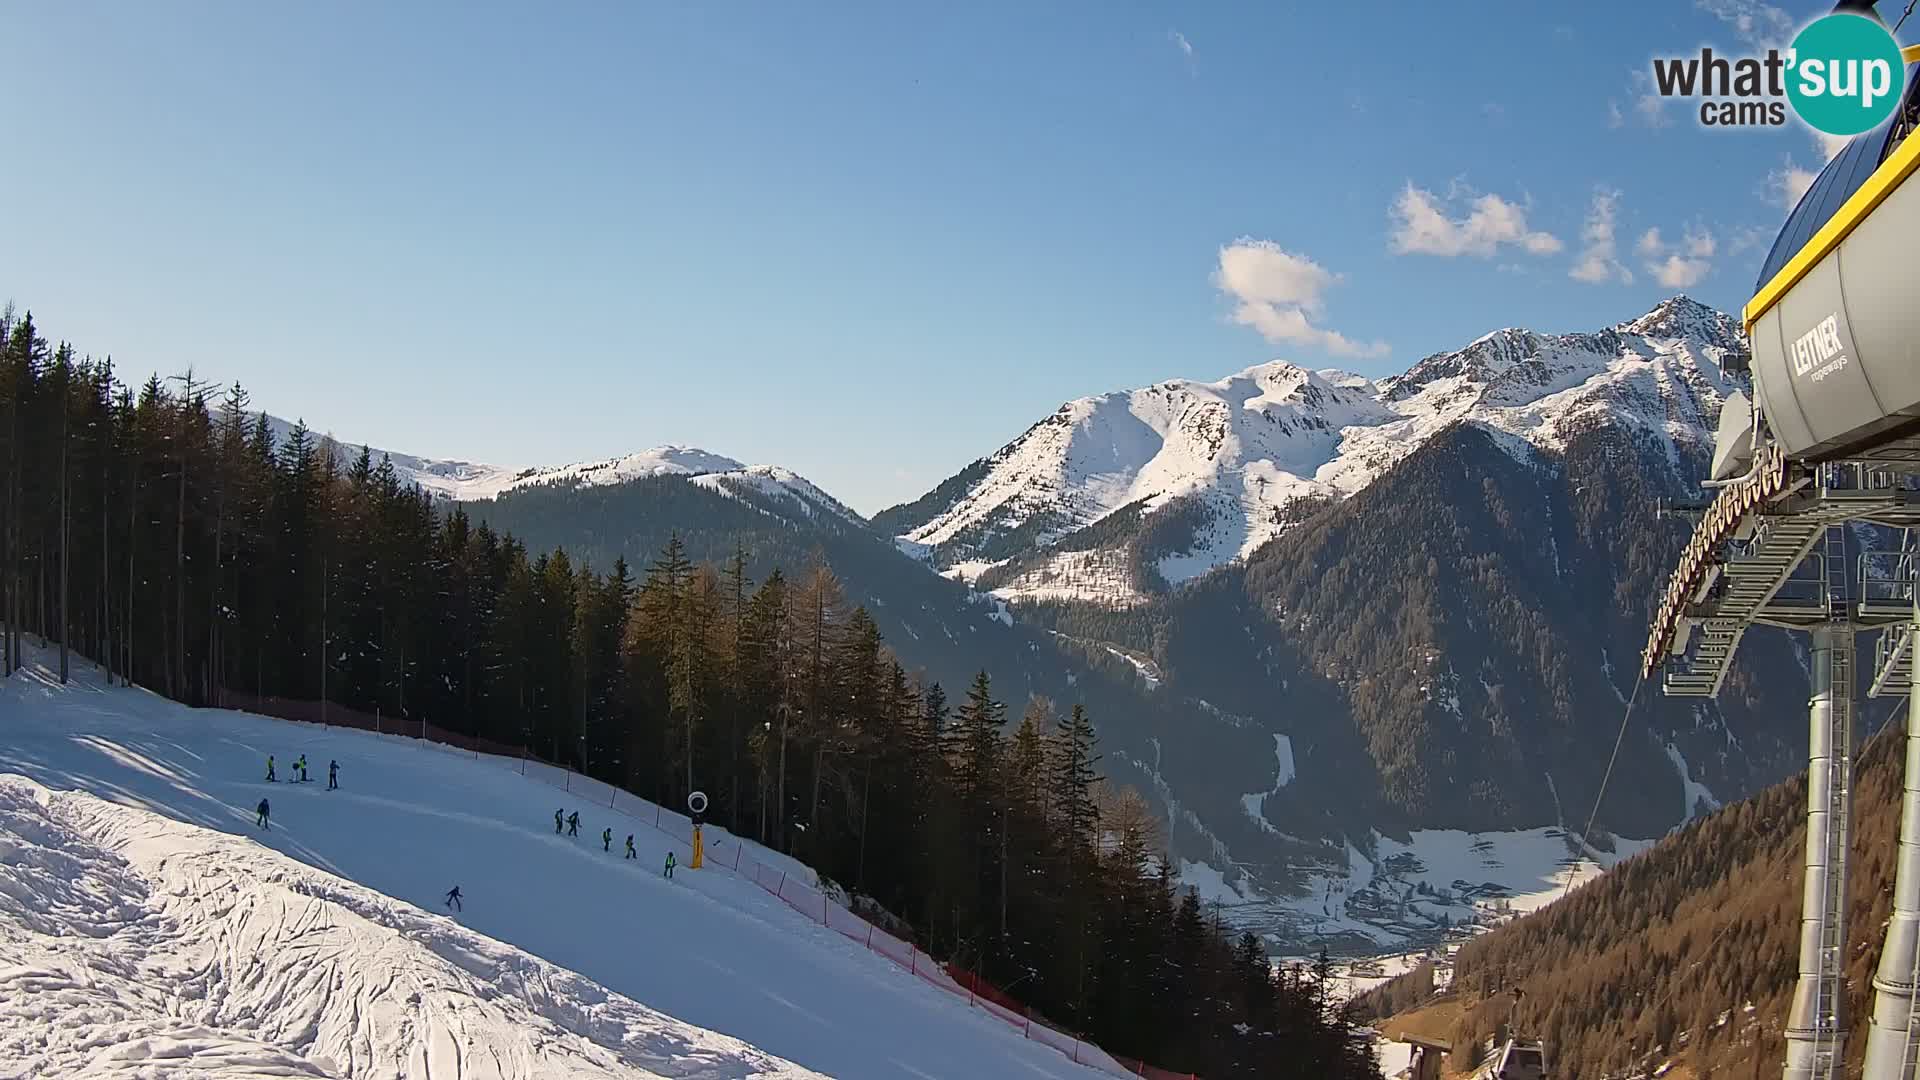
column 132, row 944
column 170, row 940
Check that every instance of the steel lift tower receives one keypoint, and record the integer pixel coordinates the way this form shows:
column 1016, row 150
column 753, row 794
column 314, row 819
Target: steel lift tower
column 1829, row 442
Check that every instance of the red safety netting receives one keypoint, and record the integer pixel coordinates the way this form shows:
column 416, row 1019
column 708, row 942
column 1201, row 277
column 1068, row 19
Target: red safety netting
column 894, row 949
column 1059, row 1040
column 850, row 925
column 765, row 876
column 1141, row 1068
column 722, row 852
column 985, row 990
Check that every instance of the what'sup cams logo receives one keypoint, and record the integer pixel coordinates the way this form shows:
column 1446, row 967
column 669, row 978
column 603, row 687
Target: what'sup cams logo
column 1843, row 75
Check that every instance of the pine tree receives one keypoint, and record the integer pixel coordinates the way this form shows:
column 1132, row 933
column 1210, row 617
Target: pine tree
column 667, row 609
column 817, row 614
column 976, row 752
column 737, row 589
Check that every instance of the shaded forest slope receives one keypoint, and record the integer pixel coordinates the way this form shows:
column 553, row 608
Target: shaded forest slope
column 1687, row 952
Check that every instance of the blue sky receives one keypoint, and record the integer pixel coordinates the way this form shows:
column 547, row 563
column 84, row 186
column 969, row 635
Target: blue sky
column 870, row 242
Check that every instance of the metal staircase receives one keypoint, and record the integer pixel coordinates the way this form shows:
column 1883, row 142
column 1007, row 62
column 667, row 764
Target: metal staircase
column 1887, row 582
column 1747, row 589
column 1751, row 577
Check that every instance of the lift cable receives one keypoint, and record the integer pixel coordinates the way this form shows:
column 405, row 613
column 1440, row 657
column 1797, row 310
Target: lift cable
column 1903, row 15
column 1608, row 775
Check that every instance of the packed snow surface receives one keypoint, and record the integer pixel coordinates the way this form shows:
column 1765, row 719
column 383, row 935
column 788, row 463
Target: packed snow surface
column 132, row 944
column 149, row 929
column 1236, row 453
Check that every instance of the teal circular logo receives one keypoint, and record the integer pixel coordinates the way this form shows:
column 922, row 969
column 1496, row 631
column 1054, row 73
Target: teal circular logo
column 1844, row 74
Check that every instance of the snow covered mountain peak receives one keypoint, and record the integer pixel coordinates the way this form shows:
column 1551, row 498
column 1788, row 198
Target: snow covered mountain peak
column 1681, row 316
column 1255, row 436
column 1232, row 457
column 1348, row 380
column 668, row 460
column 467, row 481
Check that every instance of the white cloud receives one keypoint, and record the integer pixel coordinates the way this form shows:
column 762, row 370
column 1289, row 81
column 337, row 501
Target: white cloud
column 1748, row 238
column 1758, row 24
column 1648, row 105
column 1421, row 225
column 1279, row 294
column 1679, row 272
column 1259, row 270
column 1829, row 144
column 1598, row 262
column 1682, row 265
column 1180, row 42
column 1785, row 185
column 1615, row 118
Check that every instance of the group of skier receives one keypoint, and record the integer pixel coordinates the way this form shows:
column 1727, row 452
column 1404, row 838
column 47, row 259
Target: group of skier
column 299, row 768
column 562, row 821
column 569, row 824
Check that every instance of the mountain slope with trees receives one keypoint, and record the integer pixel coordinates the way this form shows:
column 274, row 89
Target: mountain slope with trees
column 1464, row 629
column 1687, row 952
column 168, row 533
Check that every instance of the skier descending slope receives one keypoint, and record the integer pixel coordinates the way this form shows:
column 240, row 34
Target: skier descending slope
column 269, row 768
column 453, row 898
column 559, row 821
column 669, row 865
column 333, row 775
column 631, row 854
column 606, row 839
column 573, row 823
column 262, row 808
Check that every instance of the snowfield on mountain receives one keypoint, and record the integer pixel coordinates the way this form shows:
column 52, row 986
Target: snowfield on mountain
column 467, row 481
column 149, row 929
column 1237, row 454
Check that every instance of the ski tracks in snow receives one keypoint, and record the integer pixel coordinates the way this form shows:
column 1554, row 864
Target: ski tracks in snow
column 132, row 945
